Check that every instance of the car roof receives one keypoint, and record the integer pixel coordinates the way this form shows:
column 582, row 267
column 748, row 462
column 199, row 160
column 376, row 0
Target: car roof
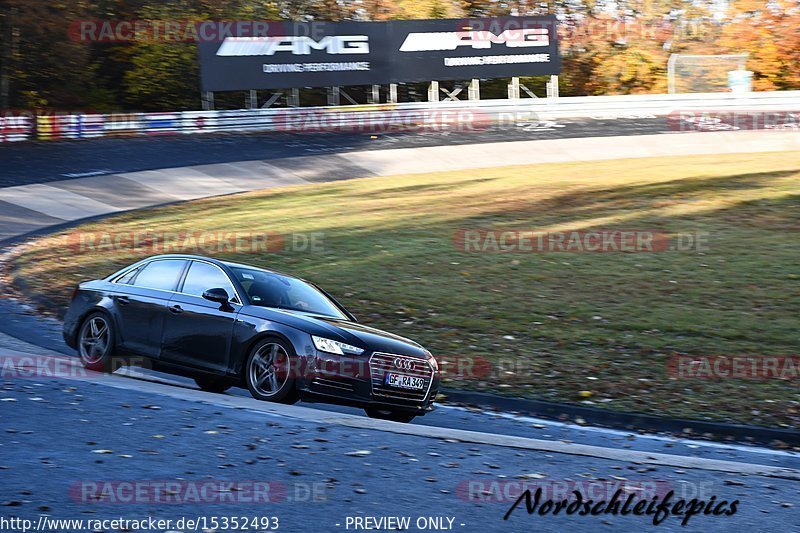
column 184, row 256
column 229, row 264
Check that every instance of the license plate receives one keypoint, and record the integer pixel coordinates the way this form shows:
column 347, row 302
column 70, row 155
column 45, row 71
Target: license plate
column 404, row 382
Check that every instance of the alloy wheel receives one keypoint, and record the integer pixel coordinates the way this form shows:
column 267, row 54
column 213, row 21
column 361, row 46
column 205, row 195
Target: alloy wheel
column 95, row 340
column 269, row 369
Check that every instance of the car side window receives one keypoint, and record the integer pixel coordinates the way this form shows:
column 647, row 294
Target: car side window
column 127, row 277
column 162, row 274
column 204, row 276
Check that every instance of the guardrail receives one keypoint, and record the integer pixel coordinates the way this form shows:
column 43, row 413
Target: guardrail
column 414, row 116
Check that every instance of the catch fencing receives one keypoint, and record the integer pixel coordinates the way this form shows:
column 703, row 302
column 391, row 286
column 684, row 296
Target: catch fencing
column 414, row 116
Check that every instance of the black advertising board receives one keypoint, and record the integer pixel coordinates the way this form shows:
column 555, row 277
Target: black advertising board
column 317, row 54
column 292, row 54
column 459, row 49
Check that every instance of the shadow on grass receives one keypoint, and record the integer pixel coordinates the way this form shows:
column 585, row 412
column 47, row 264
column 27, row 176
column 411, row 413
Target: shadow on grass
column 564, row 317
column 586, row 204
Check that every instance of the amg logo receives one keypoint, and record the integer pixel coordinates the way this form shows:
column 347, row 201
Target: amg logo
column 519, row 38
column 296, row 45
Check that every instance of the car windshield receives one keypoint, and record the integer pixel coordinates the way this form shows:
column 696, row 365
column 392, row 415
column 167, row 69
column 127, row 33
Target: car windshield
column 268, row 289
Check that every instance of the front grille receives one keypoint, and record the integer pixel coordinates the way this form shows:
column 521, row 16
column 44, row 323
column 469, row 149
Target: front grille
column 381, row 363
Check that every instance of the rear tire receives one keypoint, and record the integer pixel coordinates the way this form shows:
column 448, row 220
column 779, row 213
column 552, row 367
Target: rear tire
column 268, row 372
column 388, row 414
column 96, row 342
column 210, row 384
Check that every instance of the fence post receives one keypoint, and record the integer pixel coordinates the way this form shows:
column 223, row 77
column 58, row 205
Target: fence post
column 433, row 91
column 513, row 88
column 474, row 90
column 207, row 100
column 293, row 98
column 333, row 95
column 553, row 86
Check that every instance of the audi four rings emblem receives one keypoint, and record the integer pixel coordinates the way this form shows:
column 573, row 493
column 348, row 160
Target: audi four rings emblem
column 405, row 364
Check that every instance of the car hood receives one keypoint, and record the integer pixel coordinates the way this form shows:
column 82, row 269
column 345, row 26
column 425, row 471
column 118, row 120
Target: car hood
column 369, row 338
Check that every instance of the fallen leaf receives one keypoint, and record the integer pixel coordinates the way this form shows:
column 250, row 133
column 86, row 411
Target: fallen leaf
column 359, row 453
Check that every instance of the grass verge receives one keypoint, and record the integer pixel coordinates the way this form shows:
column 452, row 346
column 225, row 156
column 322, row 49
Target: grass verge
column 596, row 328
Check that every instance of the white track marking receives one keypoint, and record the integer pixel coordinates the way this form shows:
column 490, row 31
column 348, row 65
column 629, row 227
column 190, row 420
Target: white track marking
column 640, row 436
column 55, row 202
column 325, row 417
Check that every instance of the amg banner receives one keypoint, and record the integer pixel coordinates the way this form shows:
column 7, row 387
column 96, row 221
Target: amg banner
column 456, row 49
column 283, row 55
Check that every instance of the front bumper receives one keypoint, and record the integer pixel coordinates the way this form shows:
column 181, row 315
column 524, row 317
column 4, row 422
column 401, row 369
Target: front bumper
column 359, row 381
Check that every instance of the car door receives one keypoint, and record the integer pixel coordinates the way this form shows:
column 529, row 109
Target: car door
column 197, row 331
column 140, row 303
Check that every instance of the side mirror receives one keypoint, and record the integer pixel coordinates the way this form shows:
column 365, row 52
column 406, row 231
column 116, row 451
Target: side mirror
column 217, row 295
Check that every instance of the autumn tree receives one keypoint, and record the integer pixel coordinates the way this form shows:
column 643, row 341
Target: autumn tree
column 607, row 47
column 770, row 33
column 41, row 65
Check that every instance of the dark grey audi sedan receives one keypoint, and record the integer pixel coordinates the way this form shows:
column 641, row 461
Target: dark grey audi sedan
column 227, row 324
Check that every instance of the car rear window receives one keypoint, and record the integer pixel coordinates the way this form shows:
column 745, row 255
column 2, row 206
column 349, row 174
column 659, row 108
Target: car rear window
column 127, row 277
column 162, row 274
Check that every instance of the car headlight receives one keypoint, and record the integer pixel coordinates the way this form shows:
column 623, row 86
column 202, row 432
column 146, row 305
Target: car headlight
column 331, row 346
column 432, row 361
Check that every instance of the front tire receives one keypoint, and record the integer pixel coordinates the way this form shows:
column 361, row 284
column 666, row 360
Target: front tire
column 210, row 384
column 268, row 372
column 388, row 414
column 96, row 343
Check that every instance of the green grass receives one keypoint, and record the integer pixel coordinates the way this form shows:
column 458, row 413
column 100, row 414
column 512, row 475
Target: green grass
column 558, row 324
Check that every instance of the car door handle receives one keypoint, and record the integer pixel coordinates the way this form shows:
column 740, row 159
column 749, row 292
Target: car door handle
column 176, row 309
column 123, row 300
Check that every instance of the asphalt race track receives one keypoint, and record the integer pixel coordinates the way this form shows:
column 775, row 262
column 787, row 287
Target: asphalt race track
column 326, row 466
column 40, row 162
